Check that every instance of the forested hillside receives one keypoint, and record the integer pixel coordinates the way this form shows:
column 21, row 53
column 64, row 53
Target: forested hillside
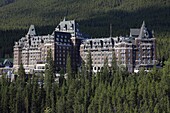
column 111, row 91
column 5, row 2
column 94, row 17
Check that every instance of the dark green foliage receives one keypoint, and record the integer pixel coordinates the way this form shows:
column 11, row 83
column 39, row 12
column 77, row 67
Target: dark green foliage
column 21, row 72
column 49, row 78
column 5, row 2
column 69, row 69
column 124, row 92
column 89, row 67
column 94, row 18
column 113, row 90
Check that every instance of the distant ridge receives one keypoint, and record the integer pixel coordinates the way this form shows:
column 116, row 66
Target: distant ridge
column 94, row 14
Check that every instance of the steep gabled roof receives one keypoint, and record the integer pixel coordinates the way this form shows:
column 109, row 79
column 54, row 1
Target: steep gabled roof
column 7, row 63
column 67, row 26
column 31, row 31
column 143, row 30
column 134, row 32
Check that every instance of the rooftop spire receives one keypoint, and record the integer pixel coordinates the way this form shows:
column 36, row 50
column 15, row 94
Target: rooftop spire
column 64, row 19
column 143, row 24
column 110, row 30
column 31, row 30
column 141, row 35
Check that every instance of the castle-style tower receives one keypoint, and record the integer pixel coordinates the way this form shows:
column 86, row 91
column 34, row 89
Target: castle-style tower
column 68, row 31
column 32, row 49
column 17, row 56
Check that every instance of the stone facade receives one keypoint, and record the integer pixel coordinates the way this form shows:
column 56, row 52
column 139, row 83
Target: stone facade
column 32, row 49
column 137, row 50
column 100, row 48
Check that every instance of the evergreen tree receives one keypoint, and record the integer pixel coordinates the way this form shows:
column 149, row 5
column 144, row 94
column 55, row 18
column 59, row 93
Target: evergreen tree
column 49, row 77
column 18, row 103
column 34, row 101
column 114, row 66
column 89, row 66
column 70, row 99
column 12, row 96
column 69, row 69
column 21, row 72
column 5, row 99
column 105, row 76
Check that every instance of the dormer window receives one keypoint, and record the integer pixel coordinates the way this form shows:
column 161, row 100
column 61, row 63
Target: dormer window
column 65, row 26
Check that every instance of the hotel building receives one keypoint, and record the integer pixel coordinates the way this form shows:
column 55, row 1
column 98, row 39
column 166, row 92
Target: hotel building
column 137, row 50
column 31, row 50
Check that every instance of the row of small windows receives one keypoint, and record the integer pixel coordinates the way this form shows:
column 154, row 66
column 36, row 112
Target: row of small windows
column 63, row 43
column 97, row 46
column 123, row 45
column 34, row 45
column 62, row 40
column 61, row 36
column 145, row 54
column 63, row 47
column 98, row 58
column 36, row 38
column 145, row 62
column 99, row 54
column 40, row 67
column 97, row 68
column 60, row 63
column 123, row 50
column 61, row 55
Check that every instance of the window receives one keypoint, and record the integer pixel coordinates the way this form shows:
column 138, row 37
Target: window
column 117, row 55
column 57, row 39
column 122, row 50
column 98, row 68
